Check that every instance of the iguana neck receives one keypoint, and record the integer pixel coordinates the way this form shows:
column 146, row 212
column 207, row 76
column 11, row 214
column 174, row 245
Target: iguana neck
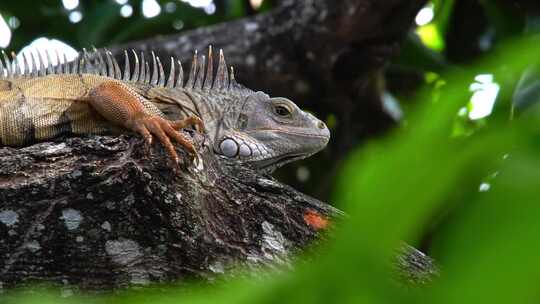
column 220, row 110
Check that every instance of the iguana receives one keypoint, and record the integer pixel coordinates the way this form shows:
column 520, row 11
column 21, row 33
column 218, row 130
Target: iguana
column 93, row 95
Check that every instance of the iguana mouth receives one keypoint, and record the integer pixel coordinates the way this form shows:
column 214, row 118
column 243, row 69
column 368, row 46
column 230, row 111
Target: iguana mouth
column 288, row 132
column 271, row 164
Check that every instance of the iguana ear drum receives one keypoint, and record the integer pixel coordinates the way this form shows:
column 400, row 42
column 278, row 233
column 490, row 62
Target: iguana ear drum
column 229, row 147
column 242, row 121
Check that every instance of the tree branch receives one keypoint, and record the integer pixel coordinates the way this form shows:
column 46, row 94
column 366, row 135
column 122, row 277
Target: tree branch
column 97, row 213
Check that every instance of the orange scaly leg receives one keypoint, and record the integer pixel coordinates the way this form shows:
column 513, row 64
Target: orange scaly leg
column 189, row 121
column 122, row 106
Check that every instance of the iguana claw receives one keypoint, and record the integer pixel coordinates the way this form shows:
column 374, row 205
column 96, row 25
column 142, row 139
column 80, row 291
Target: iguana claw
column 164, row 130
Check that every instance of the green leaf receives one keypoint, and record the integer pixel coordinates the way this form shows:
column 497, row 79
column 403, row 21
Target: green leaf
column 98, row 20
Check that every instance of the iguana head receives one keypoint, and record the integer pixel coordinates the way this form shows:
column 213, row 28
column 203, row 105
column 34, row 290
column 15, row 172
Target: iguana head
column 245, row 125
column 269, row 132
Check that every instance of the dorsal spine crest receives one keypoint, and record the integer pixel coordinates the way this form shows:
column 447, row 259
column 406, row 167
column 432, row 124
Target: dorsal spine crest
column 102, row 62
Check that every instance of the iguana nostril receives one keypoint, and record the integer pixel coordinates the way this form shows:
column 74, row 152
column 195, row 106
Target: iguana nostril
column 321, row 125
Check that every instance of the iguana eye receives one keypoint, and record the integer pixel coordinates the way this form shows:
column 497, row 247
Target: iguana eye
column 282, row 111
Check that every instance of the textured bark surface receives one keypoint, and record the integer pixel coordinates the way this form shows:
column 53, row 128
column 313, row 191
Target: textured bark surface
column 325, row 55
column 98, row 214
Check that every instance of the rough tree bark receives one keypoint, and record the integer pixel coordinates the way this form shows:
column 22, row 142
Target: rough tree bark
column 98, row 213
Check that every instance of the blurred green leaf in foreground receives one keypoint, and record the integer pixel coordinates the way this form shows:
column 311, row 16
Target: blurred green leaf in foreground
column 488, row 249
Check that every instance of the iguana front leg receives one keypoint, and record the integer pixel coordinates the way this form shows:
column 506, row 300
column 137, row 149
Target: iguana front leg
column 122, row 106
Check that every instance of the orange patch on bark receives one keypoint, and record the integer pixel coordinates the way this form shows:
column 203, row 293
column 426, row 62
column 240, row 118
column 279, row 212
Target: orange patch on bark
column 315, row 220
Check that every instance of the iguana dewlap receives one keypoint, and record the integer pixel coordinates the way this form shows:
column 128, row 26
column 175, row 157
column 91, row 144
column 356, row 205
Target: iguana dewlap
column 92, row 95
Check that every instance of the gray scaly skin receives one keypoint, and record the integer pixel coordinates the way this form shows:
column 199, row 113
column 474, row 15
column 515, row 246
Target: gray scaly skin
column 240, row 123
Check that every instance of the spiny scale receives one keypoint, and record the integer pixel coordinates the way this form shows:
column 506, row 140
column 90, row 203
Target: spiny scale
column 201, row 76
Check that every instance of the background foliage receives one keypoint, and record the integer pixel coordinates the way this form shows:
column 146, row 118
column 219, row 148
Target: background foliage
column 459, row 177
column 103, row 24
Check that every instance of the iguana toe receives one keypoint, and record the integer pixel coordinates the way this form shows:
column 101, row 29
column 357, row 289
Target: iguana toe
column 189, row 121
column 149, row 126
